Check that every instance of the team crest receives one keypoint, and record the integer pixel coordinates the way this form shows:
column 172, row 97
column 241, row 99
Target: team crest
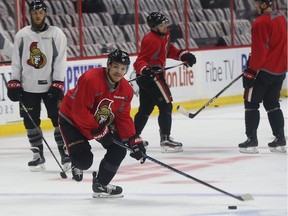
column 37, row 59
column 103, row 114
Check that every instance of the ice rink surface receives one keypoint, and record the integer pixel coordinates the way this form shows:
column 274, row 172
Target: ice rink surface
column 210, row 154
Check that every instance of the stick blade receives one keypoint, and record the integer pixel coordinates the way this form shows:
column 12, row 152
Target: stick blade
column 183, row 110
column 63, row 175
column 246, row 197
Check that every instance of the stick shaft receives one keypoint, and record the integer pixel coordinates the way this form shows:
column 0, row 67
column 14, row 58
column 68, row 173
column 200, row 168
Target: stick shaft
column 160, row 71
column 181, row 173
column 192, row 115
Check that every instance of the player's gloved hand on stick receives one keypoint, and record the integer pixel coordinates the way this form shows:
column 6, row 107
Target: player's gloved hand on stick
column 248, row 78
column 151, row 71
column 188, row 58
column 15, row 90
column 138, row 149
column 55, row 90
column 102, row 135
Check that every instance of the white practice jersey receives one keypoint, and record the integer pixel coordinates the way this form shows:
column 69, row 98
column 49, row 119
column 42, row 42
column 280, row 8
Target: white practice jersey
column 39, row 58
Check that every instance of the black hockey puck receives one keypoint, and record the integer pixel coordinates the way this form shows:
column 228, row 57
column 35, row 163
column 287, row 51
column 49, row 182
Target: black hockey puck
column 232, row 207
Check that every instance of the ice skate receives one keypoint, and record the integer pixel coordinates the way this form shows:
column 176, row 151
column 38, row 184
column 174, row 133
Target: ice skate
column 168, row 145
column 77, row 174
column 278, row 145
column 37, row 164
column 65, row 160
column 105, row 191
column 66, row 163
column 249, row 146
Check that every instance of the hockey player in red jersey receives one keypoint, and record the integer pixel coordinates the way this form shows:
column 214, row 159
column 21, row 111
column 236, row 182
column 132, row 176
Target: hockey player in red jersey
column 153, row 89
column 38, row 70
column 264, row 75
column 99, row 108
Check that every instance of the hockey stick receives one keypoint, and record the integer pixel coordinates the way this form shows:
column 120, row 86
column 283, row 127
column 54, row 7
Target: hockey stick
column 158, row 72
column 192, row 115
column 244, row 197
column 63, row 173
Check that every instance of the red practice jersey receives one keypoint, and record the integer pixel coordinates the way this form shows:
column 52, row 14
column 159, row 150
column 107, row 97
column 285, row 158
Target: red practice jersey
column 94, row 103
column 154, row 51
column 269, row 44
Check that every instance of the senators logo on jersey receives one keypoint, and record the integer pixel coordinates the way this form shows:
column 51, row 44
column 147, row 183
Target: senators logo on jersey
column 37, row 59
column 103, row 114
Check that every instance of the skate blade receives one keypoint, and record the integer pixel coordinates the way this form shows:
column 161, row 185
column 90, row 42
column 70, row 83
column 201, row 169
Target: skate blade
column 279, row 149
column 105, row 195
column 38, row 168
column 166, row 149
column 249, row 150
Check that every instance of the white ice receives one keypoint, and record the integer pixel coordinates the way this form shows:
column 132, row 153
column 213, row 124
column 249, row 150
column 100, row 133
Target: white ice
column 210, row 155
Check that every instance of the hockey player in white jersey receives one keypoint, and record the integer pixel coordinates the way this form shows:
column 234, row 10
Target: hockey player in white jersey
column 38, row 70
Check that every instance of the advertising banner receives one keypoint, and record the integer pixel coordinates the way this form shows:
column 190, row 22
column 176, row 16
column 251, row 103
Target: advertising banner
column 214, row 70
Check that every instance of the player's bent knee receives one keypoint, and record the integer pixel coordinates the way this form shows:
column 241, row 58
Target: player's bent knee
column 82, row 160
column 115, row 155
column 81, row 155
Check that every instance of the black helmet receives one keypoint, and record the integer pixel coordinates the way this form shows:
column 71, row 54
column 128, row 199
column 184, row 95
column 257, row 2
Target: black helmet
column 37, row 5
column 119, row 56
column 268, row 2
column 155, row 18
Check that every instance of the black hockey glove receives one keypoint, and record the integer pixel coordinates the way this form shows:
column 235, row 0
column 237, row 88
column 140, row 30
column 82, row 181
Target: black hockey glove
column 138, row 149
column 151, row 71
column 248, row 78
column 55, row 91
column 15, row 90
column 188, row 58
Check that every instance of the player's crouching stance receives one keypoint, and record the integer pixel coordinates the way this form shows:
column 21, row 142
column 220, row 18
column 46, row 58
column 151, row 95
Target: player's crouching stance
column 99, row 108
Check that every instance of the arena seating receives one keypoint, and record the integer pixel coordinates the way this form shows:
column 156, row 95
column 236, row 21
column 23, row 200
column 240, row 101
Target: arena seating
column 109, row 24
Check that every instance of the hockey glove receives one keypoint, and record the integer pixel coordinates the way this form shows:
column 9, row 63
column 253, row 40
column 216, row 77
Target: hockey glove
column 188, row 58
column 151, row 71
column 248, row 78
column 102, row 135
column 138, row 149
column 55, row 91
column 15, row 90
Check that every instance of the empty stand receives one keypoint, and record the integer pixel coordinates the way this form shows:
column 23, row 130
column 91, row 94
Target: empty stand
column 209, row 13
column 130, row 6
column 107, row 34
column 95, row 19
column 195, row 4
column 108, row 24
column 97, row 35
